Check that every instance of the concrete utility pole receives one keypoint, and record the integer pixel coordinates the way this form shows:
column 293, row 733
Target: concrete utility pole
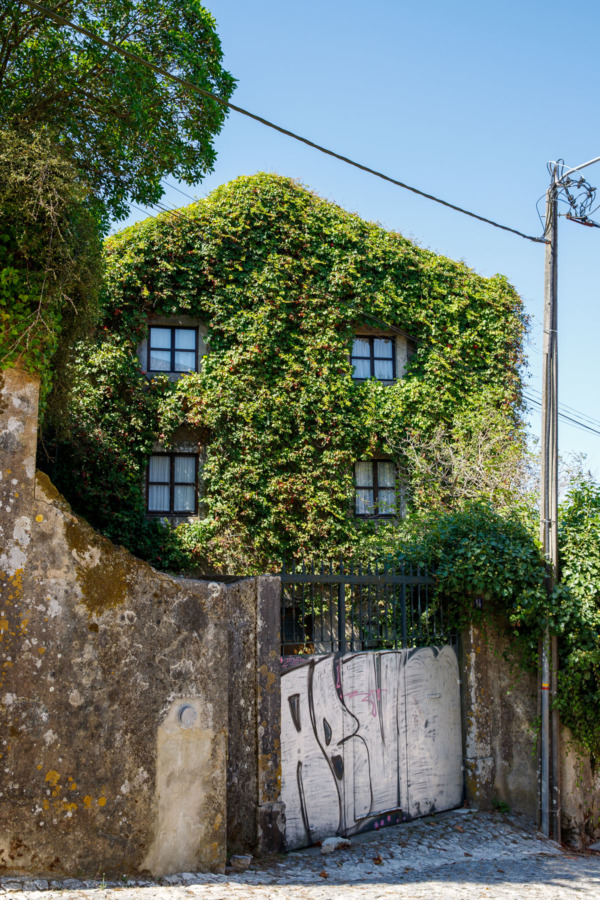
column 549, row 787
column 550, row 725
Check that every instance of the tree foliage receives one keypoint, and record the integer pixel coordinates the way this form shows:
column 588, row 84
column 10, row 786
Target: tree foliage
column 479, row 455
column 123, row 126
column 50, row 254
column 282, row 279
column 577, row 611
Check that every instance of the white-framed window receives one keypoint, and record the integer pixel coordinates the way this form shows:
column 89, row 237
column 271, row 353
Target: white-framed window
column 172, row 484
column 376, row 489
column 374, row 357
column 172, row 348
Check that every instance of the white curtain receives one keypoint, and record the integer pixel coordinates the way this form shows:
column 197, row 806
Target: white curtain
column 184, row 499
column 386, row 474
column 364, row 502
column 383, row 347
column 160, row 337
column 384, row 369
column 160, row 469
column 185, row 470
column 158, row 498
column 363, row 473
column 185, row 339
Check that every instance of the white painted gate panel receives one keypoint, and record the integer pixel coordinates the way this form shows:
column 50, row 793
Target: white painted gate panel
column 368, row 740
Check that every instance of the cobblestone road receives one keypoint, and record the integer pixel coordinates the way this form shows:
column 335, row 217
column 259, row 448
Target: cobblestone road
column 453, row 856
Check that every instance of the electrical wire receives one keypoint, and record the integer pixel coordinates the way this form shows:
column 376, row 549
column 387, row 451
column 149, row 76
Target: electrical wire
column 175, row 188
column 564, row 416
column 569, row 409
column 159, row 70
column 61, row 20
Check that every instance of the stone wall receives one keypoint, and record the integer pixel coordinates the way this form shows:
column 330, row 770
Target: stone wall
column 123, row 691
column 500, row 710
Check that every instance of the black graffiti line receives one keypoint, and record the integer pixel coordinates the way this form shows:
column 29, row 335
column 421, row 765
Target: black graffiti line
column 311, row 709
column 358, row 737
column 294, row 704
column 303, row 810
column 378, row 696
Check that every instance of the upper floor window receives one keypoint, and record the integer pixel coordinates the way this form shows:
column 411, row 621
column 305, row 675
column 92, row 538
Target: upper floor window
column 376, row 489
column 374, row 357
column 172, row 349
column 172, row 484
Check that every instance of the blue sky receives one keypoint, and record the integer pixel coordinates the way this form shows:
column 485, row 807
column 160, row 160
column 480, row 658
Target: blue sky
column 467, row 101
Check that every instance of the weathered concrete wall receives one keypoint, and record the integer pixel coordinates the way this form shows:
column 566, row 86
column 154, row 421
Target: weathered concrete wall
column 270, row 809
column 113, row 688
column 499, row 714
column 500, row 709
column 242, row 780
column 368, row 740
column 580, row 794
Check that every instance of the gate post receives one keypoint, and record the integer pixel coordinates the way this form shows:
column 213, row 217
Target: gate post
column 270, row 809
column 342, row 647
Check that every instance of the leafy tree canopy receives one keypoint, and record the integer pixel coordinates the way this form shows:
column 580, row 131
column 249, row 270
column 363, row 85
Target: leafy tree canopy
column 50, row 255
column 123, row 126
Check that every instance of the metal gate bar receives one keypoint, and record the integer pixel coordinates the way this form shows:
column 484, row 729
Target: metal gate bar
column 379, row 607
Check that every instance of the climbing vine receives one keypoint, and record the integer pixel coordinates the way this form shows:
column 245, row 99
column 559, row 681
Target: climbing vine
column 482, row 554
column 282, row 279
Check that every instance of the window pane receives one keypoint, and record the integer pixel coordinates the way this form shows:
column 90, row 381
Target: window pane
column 185, row 362
column 364, row 503
column 384, row 369
column 185, row 469
column 362, row 368
column 185, row 338
column 361, row 347
column 160, row 337
column 386, row 474
column 387, row 503
column 184, row 499
column 160, row 469
column 363, row 473
column 383, row 347
column 158, row 498
column 160, row 360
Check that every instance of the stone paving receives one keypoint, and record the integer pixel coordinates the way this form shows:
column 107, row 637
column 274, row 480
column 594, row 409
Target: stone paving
column 452, row 856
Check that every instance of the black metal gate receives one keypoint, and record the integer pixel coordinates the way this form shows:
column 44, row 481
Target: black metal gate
column 339, row 607
column 370, row 700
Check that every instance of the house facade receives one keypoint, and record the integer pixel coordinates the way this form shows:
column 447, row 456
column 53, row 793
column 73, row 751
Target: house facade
column 262, row 355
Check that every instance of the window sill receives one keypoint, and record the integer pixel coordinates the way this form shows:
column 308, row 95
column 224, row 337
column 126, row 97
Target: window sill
column 172, row 376
column 380, row 380
column 381, row 518
column 174, row 518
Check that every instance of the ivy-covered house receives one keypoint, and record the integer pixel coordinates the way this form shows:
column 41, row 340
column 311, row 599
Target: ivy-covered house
column 261, row 356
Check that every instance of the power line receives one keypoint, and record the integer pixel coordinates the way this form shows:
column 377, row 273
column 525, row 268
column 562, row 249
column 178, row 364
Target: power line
column 568, row 419
column 175, row 188
column 570, row 409
column 565, row 418
column 61, row 20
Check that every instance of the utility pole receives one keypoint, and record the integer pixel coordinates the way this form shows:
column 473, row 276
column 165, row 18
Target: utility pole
column 580, row 197
column 549, row 733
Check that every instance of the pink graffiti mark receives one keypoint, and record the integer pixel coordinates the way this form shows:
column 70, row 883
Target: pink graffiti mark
column 371, row 697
